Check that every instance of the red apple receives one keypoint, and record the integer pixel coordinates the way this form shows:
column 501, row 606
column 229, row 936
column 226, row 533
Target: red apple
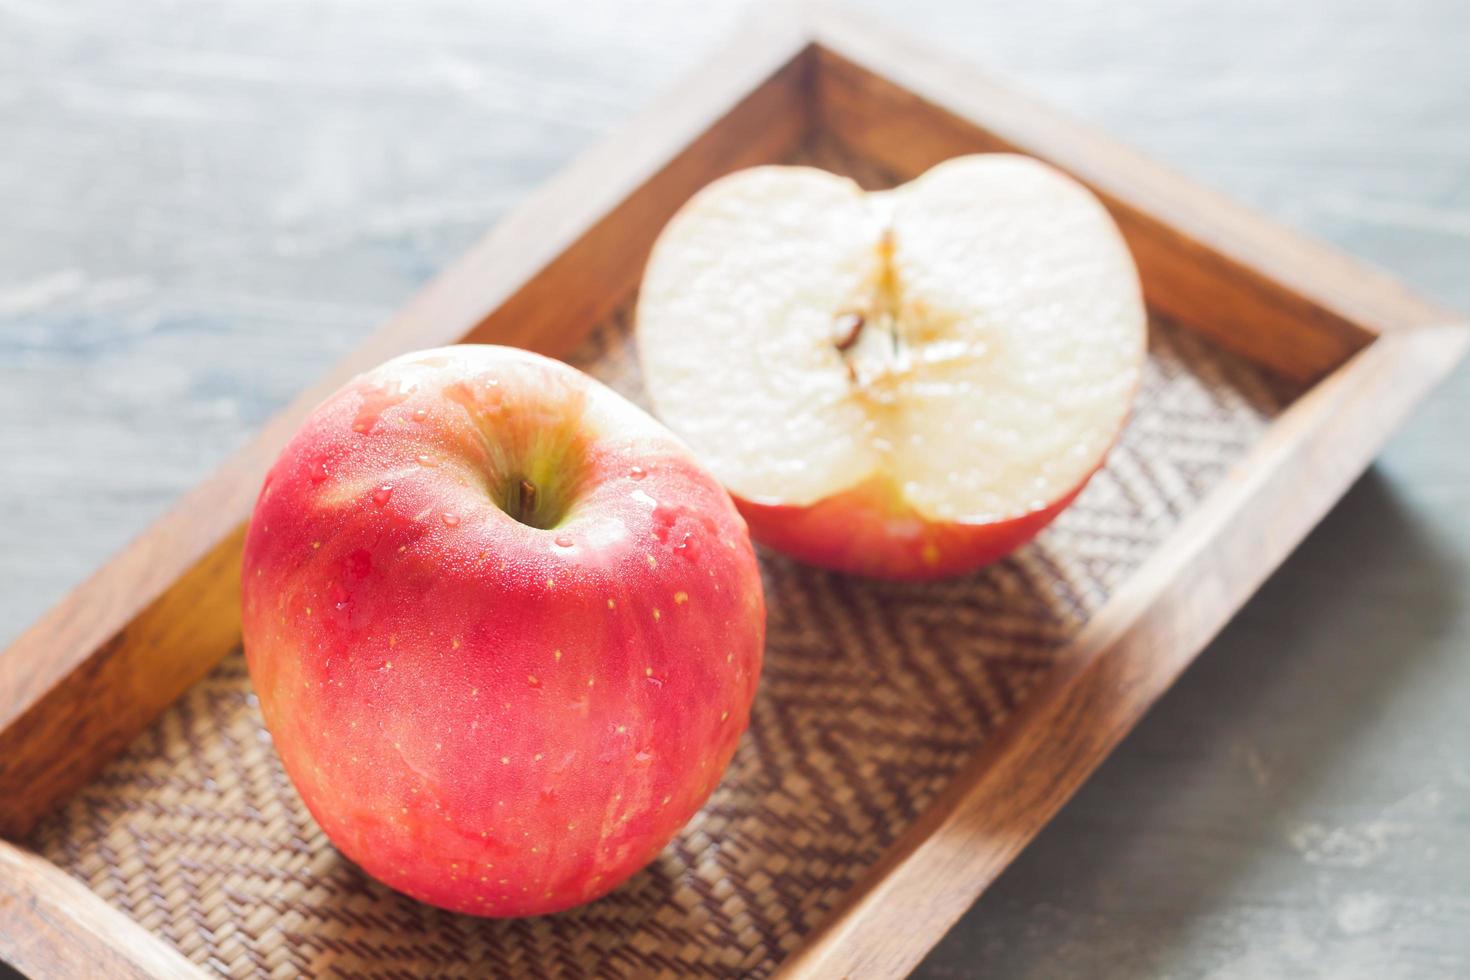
column 505, row 631
column 907, row 384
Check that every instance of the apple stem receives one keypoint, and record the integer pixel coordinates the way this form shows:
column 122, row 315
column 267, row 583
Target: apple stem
column 845, row 330
column 527, row 501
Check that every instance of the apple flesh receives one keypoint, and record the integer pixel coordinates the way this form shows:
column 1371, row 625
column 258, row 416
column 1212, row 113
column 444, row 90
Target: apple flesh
column 504, row 630
column 905, row 384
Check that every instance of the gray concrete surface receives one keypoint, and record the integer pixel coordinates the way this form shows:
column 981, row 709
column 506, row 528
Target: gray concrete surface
column 203, row 203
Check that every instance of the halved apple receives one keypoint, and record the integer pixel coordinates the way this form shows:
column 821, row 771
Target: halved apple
column 905, row 384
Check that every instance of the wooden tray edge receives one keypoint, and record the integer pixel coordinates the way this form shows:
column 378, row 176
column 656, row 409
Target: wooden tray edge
column 52, row 925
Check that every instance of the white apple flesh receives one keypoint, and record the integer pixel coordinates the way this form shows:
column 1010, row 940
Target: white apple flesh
column 907, row 383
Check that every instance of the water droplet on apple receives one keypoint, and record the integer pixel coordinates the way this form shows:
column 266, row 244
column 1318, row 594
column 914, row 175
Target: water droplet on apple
column 381, row 495
column 637, row 473
column 449, row 519
column 419, row 414
column 319, row 472
column 643, row 757
column 688, row 548
column 425, row 459
column 563, row 541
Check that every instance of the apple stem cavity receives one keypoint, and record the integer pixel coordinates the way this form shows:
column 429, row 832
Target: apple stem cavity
column 525, row 504
column 521, row 504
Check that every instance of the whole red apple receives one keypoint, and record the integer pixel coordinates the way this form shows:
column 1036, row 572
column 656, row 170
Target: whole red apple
column 505, row 631
column 911, row 383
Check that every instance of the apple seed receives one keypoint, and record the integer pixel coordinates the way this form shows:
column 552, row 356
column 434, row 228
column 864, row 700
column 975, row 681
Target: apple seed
column 845, row 330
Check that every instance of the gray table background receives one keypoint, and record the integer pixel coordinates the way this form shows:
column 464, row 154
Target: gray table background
column 204, row 203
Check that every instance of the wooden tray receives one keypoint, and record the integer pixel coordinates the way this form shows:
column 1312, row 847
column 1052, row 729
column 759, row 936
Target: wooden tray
column 907, row 742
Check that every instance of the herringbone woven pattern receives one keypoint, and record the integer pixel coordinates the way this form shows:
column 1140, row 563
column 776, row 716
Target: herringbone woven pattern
column 873, row 695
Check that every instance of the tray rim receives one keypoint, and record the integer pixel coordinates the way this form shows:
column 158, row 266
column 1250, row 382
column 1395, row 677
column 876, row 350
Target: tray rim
column 1375, row 350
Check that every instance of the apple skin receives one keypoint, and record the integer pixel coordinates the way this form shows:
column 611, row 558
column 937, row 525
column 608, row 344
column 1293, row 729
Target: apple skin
column 491, row 717
column 868, row 530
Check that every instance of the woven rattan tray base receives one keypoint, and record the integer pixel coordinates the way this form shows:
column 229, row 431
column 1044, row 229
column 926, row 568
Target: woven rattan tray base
column 873, row 695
